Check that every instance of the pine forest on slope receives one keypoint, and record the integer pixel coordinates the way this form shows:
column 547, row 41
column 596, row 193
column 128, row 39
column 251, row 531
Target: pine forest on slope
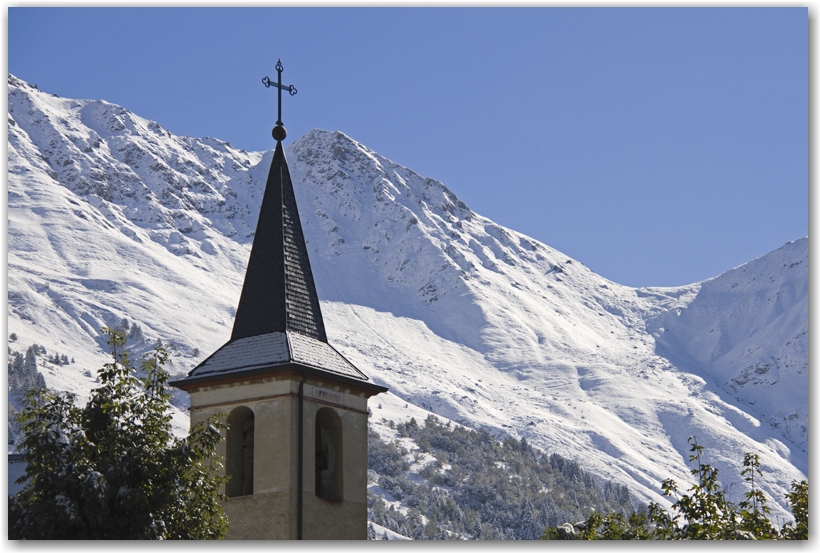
column 114, row 220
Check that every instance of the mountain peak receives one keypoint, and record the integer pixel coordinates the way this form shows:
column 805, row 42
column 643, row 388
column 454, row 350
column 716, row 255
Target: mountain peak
column 112, row 218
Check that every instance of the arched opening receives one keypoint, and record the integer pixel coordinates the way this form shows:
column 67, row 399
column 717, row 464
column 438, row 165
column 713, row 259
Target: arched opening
column 239, row 454
column 328, row 466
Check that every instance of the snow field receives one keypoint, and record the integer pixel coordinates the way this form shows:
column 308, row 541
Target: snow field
column 111, row 217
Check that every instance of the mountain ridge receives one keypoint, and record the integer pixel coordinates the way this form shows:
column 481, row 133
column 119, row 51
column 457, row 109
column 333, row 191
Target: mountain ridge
column 111, row 217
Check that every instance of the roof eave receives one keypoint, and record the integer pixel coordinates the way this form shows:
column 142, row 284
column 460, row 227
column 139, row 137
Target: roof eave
column 191, row 382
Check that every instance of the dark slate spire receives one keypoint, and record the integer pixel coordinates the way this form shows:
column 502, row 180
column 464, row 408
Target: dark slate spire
column 279, row 293
column 278, row 324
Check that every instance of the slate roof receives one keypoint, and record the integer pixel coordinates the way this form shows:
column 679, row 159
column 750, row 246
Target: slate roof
column 275, row 349
column 279, row 293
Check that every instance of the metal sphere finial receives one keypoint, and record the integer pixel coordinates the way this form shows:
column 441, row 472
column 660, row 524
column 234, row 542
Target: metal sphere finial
column 279, row 133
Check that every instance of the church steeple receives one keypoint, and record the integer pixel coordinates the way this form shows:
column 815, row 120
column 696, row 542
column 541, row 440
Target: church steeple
column 278, row 320
column 295, row 448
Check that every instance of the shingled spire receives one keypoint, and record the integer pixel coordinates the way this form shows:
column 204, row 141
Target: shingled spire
column 278, row 322
column 279, row 293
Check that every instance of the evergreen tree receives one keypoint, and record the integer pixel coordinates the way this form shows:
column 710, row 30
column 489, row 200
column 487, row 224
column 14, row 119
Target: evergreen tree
column 135, row 334
column 30, row 362
column 112, row 469
column 17, row 363
column 478, row 487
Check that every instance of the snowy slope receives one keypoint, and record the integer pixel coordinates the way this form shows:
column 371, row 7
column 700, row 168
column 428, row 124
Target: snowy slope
column 111, row 217
column 748, row 330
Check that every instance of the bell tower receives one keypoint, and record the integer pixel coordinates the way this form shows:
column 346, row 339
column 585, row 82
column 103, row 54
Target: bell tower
column 295, row 449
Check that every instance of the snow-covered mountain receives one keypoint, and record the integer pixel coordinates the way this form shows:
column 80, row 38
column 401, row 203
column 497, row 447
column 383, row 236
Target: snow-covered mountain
column 112, row 217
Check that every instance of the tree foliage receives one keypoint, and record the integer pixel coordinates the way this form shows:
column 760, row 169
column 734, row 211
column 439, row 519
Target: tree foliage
column 112, row 469
column 799, row 502
column 704, row 513
column 467, row 484
column 754, row 511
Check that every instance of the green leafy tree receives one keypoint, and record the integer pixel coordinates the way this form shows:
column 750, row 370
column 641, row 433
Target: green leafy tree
column 708, row 515
column 112, row 469
column 799, row 502
column 704, row 512
column 754, row 511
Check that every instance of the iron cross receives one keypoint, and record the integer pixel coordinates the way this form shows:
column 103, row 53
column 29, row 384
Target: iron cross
column 290, row 88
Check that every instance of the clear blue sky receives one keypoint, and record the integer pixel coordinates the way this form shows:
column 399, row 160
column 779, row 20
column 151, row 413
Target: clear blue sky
column 657, row 146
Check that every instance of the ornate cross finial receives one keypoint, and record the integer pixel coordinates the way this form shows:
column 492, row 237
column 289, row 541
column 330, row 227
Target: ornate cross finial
column 279, row 133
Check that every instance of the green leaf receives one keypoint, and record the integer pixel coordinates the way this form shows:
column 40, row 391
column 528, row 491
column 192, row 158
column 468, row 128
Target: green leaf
column 113, row 469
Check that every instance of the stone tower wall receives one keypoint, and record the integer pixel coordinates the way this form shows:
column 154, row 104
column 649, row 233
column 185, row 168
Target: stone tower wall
column 271, row 512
